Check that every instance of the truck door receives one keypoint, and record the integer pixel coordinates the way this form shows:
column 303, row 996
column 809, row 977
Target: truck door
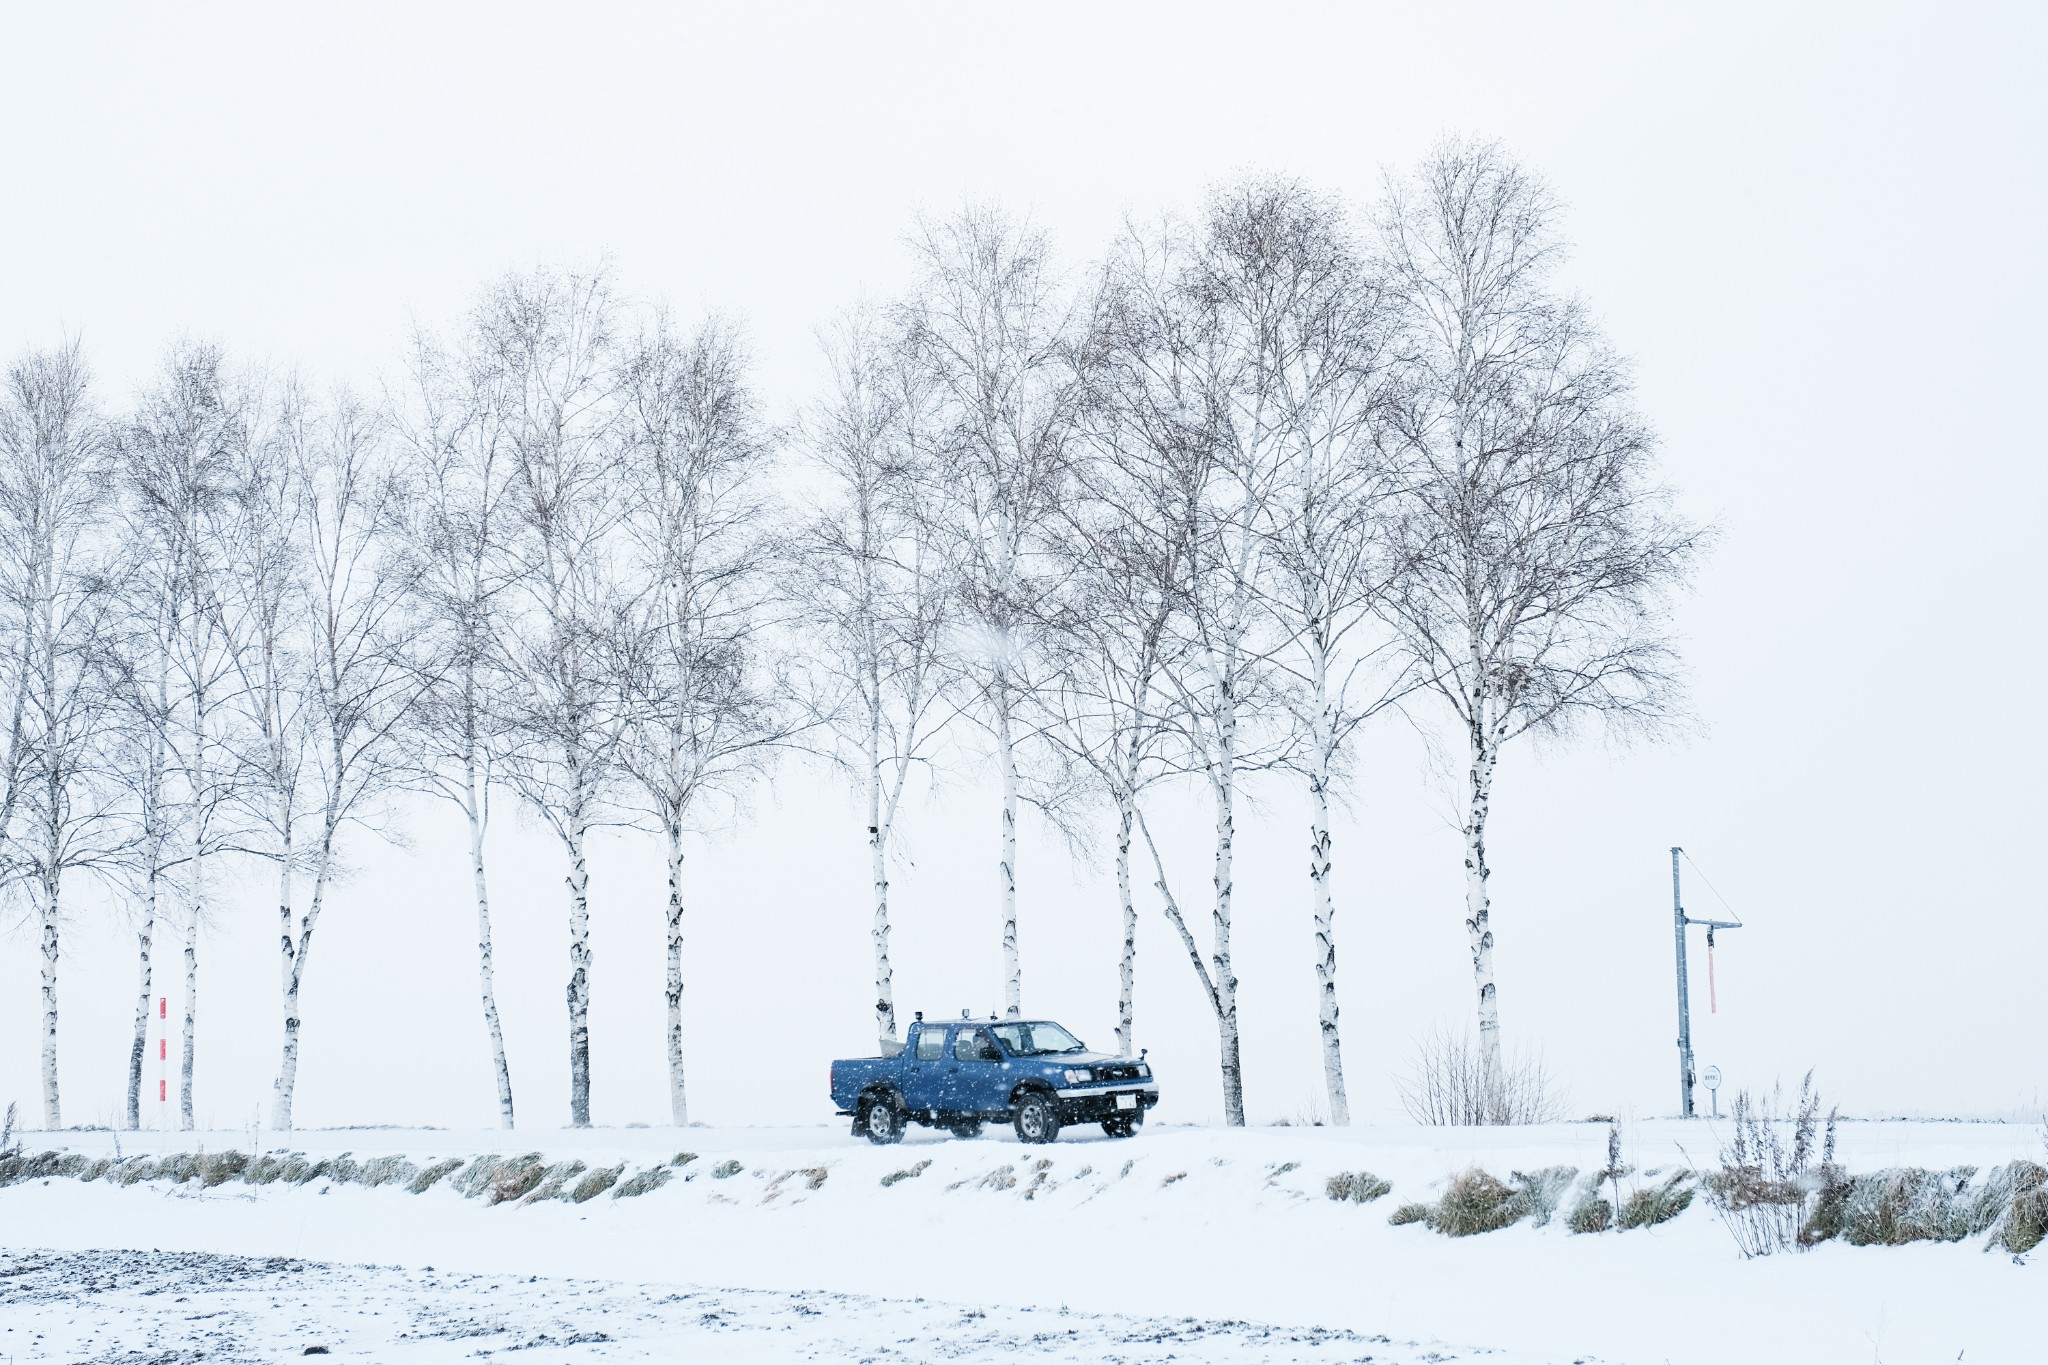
column 925, row 1066
column 979, row 1081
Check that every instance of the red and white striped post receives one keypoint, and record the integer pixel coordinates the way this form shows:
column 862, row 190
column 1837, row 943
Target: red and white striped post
column 163, row 1058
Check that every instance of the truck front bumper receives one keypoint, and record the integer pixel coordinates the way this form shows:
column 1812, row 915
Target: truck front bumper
column 1093, row 1103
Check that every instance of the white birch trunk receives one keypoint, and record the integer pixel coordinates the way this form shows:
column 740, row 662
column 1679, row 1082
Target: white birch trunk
column 578, row 883
column 1013, row 970
column 1324, row 741
column 1478, row 928
column 288, row 1070
column 287, row 1067
column 138, row 1049
column 678, row 1101
column 486, row 971
column 1187, row 942
column 1127, row 963
column 200, row 778
column 53, row 1118
column 190, row 1039
column 1218, row 978
column 878, row 870
column 1223, row 778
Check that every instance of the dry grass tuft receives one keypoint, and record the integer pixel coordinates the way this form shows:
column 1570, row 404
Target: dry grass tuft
column 1476, row 1202
column 1355, row 1187
column 1404, row 1214
column 1658, row 1203
column 1902, row 1205
column 517, row 1178
column 1543, row 1190
column 386, row 1170
column 911, row 1173
column 341, row 1169
column 644, row 1182
column 552, row 1182
column 477, row 1179
column 1591, row 1214
column 2026, row 1219
column 219, row 1168
column 434, row 1175
column 594, row 1184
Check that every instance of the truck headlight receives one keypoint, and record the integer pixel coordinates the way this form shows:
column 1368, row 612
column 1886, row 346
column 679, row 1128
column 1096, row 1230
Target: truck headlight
column 1144, row 1072
column 1081, row 1077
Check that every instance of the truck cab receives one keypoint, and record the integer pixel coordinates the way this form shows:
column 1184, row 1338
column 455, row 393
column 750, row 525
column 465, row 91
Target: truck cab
column 963, row 1073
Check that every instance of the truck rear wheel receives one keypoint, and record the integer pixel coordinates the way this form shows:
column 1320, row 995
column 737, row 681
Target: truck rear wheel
column 1037, row 1118
column 880, row 1121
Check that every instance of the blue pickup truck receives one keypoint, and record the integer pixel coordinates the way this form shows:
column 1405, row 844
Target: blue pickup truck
column 961, row 1074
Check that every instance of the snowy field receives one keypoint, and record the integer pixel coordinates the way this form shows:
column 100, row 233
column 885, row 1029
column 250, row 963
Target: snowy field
column 1183, row 1244
column 176, row 1306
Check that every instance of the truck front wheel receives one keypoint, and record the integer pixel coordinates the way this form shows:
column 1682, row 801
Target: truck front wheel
column 1037, row 1119
column 880, row 1121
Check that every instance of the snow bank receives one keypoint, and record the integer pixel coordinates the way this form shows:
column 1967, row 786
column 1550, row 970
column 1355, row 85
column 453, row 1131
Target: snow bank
column 1236, row 1224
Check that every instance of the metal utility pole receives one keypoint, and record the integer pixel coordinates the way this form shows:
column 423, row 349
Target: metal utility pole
column 1684, row 1012
column 1679, row 919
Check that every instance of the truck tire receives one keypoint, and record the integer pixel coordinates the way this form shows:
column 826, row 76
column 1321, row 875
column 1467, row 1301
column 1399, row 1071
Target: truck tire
column 880, row 1121
column 1037, row 1118
column 1122, row 1125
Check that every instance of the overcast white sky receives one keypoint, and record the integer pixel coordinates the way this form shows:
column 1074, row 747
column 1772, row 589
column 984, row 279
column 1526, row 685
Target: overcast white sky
column 1818, row 229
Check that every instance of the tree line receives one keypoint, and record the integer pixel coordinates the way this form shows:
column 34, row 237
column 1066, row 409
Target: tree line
column 1264, row 474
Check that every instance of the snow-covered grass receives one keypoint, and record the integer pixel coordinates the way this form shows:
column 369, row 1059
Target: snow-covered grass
column 1177, row 1222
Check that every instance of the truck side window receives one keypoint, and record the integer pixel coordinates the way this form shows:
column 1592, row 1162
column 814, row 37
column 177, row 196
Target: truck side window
column 972, row 1045
column 931, row 1044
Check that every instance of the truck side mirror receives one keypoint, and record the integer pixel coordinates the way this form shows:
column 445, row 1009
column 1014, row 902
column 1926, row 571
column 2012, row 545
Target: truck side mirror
column 991, row 1053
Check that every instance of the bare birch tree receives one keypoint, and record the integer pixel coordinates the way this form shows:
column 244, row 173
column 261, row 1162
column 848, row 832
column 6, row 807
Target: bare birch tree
column 1105, row 710
column 453, row 526
column 1182, row 365
column 346, row 665
column 1125, row 549
column 55, row 491
column 702, row 716
column 551, row 340
column 993, row 331
column 262, row 605
column 179, row 452
column 1315, row 372
column 142, row 679
column 871, row 591
column 1542, row 551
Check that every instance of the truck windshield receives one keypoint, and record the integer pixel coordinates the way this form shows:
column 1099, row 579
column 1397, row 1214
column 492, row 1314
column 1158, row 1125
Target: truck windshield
column 1036, row 1040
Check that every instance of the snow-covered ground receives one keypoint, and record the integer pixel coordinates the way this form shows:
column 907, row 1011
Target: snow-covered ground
column 132, row 1306
column 1161, row 1247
